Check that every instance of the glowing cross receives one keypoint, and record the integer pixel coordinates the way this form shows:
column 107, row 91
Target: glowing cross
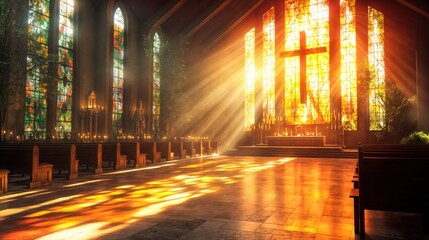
column 302, row 52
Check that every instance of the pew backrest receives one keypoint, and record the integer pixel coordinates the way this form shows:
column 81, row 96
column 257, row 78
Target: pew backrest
column 394, row 178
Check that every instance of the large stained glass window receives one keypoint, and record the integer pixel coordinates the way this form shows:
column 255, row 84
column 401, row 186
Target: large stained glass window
column 118, row 71
column 348, row 65
column 37, row 69
column 377, row 68
column 268, row 78
column 312, row 18
column 65, row 67
column 250, row 71
column 156, row 84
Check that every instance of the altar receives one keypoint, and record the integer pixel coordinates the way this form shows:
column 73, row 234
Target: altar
column 312, row 140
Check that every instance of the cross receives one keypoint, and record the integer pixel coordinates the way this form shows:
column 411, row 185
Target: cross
column 302, row 52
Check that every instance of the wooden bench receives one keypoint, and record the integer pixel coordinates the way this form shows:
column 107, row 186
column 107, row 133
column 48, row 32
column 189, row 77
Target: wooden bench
column 24, row 159
column 392, row 178
column 165, row 149
column 198, row 145
column 132, row 150
column 3, row 180
column 149, row 148
column 111, row 153
column 179, row 149
column 207, row 148
column 214, row 146
column 189, row 146
column 90, row 154
column 61, row 156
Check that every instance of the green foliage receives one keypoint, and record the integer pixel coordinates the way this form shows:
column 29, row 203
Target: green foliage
column 400, row 112
column 175, row 104
column 416, row 138
column 10, row 32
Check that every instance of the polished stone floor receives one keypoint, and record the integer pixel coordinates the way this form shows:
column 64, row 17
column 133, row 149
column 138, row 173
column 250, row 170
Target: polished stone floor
column 216, row 197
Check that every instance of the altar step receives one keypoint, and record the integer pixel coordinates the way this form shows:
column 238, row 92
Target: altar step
column 330, row 151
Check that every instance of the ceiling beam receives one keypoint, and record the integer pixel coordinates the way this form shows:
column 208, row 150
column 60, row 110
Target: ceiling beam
column 163, row 14
column 240, row 17
column 413, row 7
column 205, row 17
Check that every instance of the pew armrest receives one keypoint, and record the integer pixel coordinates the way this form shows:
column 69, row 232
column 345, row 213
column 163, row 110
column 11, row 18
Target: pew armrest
column 43, row 176
column 3, row 180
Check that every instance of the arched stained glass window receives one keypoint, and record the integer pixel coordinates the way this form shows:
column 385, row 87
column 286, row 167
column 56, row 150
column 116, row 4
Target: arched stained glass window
column 156, row 84
column 118, row 71
column 37, row 67
column 311, row 18
column 268, row 55
column 250, row 71
column 348, row 65
column 65, row 67
column 377, row 68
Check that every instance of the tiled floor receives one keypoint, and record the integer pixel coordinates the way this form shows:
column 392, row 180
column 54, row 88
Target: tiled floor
column 202, row 198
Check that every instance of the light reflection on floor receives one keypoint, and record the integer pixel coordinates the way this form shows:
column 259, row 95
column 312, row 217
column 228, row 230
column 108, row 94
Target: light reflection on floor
column 214, row 197
column 82, row 215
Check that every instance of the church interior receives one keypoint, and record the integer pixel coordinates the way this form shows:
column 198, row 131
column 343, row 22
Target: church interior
column 214, row 119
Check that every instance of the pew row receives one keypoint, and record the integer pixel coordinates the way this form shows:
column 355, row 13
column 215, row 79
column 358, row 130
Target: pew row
column 189, row 146
column 61, row 156
column 25, row 160
column 149, row 148
column 90, row 154
column 179, row 149
column 165, row 149
column 3, row 180
column 392, row 178
column 111, row 153
column 132, row 150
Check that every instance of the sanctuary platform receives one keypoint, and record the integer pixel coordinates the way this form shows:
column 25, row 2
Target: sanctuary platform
column 296, row 140
column 327, row 151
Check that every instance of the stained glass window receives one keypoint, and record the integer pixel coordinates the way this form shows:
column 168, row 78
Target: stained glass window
column 250, row 68
column 156, row 104
column 268, row 81
column 37, row 67
column 65, row 67
column 348, row 65
column 118, row 71
column 377, row 68
column 312, row 17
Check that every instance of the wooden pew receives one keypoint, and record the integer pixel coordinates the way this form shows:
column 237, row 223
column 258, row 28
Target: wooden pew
column 3, row 180
column 207, row 148
column 393, row 178
column 179, row 149
column 112, row 154
column 189, row 146
column 214, row 146
column 61, row 156
column 198, row 145
column 132, row 150
column 24, row 159
column 149, row 148
column 90, row 154
column 165, row 149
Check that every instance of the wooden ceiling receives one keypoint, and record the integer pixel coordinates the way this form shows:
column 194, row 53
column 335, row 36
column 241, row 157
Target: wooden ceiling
column 208, row 21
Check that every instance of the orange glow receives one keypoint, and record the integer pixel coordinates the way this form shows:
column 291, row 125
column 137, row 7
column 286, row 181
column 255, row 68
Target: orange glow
column 268, row 82
column 250, row 70
column 313, row 18
column 348, row 65
column 376, row 65
column 102, row 212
